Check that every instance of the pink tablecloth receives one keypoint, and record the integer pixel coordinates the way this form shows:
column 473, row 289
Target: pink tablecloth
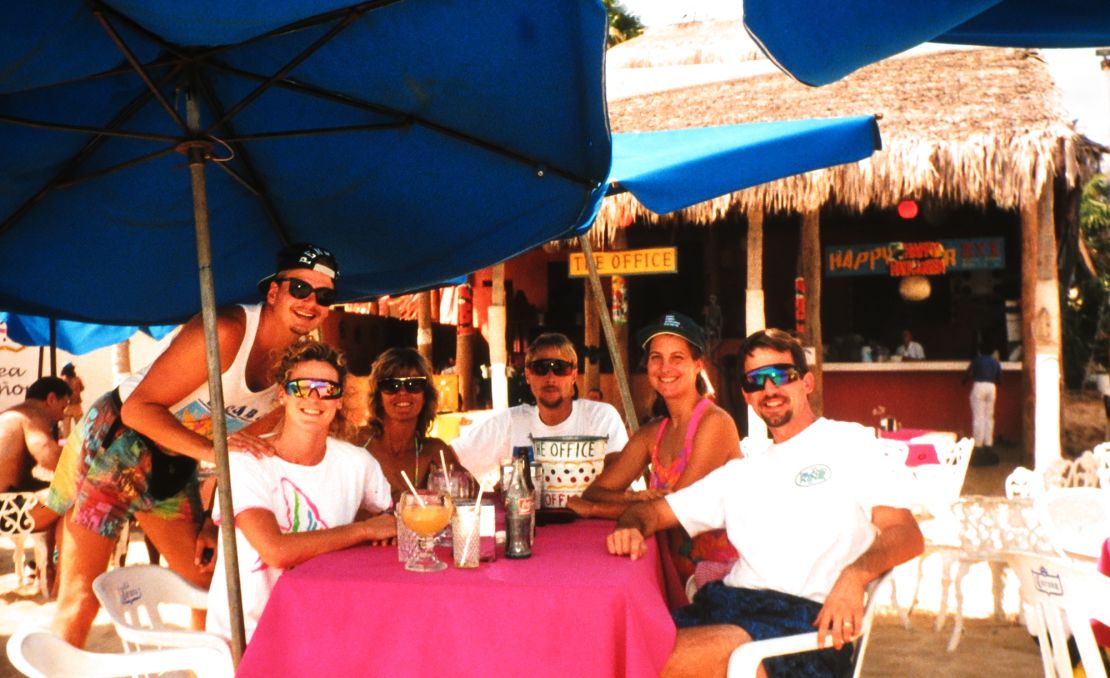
column 920, row 453
column 571, row 611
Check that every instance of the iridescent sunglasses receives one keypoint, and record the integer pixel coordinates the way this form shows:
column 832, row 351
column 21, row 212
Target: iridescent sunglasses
column 325, row 389
column 393, row 385
column 779, row 375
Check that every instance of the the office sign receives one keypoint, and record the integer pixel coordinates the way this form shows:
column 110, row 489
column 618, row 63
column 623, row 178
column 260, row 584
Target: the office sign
column 626, row 262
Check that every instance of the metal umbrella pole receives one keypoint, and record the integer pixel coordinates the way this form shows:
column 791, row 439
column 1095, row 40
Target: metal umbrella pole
column 197, row 151
column 610, row 337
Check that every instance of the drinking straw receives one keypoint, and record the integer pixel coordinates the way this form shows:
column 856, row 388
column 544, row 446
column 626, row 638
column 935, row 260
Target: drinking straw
column 443, row 464
column 412, row 488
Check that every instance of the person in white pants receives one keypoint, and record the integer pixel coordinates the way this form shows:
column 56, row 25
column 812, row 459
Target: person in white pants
column 984, row 372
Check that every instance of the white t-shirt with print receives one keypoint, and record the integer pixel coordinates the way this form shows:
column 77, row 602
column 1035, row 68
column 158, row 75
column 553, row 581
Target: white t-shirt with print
column 481, row 447
column 302, row 499
column 799, row 513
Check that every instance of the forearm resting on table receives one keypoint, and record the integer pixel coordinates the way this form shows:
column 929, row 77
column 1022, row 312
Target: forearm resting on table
column 638, row 522
column 288, row 549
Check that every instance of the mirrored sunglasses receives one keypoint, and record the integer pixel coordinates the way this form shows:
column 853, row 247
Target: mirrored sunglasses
column 325, row 389
column 299, row 289
column 778, row 375
column 393, row 385
column 540, row 368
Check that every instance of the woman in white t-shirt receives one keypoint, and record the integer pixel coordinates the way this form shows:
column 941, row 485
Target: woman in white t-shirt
column 311, row 497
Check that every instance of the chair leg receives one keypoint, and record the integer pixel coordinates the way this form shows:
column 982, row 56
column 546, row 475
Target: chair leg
column 18, row 557
column 945, row 585
column 997, row 586
column 903, row 615
column 958, row 629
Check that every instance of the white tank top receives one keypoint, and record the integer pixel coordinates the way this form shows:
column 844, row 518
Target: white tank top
column 241, row 405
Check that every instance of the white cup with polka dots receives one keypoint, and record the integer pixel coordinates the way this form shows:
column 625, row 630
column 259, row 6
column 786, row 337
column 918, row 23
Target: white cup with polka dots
column 570, row 464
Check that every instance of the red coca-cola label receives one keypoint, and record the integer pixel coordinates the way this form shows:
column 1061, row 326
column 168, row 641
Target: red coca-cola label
column 525, row 505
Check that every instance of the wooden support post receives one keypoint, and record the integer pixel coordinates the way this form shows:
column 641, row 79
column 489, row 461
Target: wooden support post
column 498, row 356
column 1041, row 330
column 755, row 318
column 464, row 347
column 811, row 272
column 424, row 325
column 591, row 331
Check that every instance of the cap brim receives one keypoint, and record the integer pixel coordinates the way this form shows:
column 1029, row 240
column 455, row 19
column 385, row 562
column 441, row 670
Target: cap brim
column 645, row 335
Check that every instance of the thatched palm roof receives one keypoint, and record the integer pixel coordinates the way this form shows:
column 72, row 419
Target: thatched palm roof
column 964, row 126
column 686, row 44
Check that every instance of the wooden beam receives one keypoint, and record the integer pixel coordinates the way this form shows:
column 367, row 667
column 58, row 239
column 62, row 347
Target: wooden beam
column 498, row 355
column 755, row 318
column 811, row 273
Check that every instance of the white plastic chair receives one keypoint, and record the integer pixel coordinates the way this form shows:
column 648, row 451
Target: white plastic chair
column 40, row 654
column 897, row 451
column 1024, row 483
column 17, row 525
column 940, row 484
column 133, row 598
column 745, row 659
column 1075, row 519
column 1063, row 597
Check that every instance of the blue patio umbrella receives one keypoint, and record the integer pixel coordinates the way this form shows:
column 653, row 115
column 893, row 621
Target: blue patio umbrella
column 146, row 143
column 821, row 42
column 73, row 336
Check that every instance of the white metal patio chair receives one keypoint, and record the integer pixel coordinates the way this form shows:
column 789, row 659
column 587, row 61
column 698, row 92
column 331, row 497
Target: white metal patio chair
column 40, row 654
column 1062, row 598
column 134, row 598
column 745, row 659
column 1075, row 519
column 17, row 524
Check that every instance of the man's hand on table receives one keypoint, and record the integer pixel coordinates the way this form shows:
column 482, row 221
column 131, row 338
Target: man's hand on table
column 626, row 541
column 381, row 530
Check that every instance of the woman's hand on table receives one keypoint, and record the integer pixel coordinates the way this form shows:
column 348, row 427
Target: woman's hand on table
column 381, row 530
column 626, row 541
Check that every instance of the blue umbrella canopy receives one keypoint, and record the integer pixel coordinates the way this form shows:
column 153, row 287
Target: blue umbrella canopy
column 821, row 42
column 72, row 336
column 418, row 140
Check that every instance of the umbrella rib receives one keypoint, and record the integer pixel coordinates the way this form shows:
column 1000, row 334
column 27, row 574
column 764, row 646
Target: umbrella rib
column 408, row 119
column 138, row 160
column 251, row 181
column 85, row 129
column 135, row 64
column 284, row 70
column 313, row 131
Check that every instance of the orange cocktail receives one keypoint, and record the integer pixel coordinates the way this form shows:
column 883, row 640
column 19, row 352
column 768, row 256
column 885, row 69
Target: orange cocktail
column 428, row 520
column 426, row 513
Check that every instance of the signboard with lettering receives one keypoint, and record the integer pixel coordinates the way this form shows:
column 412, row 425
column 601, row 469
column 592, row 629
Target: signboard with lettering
column 19, row 366
column 932, row 257
column 626, row 262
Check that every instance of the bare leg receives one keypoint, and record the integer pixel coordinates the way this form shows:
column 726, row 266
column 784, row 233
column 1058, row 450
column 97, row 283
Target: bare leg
column 84, row 557
column 176, row 540
column 701, row 651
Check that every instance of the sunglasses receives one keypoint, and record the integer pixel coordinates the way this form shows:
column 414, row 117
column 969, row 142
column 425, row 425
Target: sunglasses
column 540, row 368
column 393, row 385
column 779, row 375
column 325, row 389
column 299, row 289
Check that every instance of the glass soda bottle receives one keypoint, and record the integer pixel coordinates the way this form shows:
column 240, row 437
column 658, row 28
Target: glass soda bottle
column 520, row 513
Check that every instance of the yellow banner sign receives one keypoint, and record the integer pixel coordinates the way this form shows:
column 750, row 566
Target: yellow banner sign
column 626, row 262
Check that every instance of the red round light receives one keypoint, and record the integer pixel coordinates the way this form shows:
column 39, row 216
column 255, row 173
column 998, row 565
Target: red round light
column 907, row 209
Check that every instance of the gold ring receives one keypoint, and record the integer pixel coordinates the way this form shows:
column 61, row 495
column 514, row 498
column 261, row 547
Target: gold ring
column 848, row 623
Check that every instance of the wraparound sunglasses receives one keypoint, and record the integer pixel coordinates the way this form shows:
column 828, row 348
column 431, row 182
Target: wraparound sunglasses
column 393, row 385
column 540, row 368
column 325, row 389
column 299, row 289
column 779, row 375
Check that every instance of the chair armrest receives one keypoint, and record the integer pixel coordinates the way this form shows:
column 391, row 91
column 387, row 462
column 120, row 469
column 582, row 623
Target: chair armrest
column 745, row 659
column 149, row 638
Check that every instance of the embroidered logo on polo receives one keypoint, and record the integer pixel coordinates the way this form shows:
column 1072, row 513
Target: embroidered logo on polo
column 812, row 475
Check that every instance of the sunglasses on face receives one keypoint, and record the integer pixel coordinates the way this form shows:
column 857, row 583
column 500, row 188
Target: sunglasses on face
column 540, row 368
column 393, row 385
column 779, row 375
column 299, row 289
column 325, row 389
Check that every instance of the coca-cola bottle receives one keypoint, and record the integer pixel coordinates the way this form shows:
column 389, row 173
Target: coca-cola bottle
column 520, row 512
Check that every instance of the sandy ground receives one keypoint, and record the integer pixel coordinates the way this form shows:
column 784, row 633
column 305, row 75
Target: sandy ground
column 988, row 646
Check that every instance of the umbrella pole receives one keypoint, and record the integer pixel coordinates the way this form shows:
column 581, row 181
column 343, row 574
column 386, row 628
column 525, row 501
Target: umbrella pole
column 196, row 152
column 610, row 337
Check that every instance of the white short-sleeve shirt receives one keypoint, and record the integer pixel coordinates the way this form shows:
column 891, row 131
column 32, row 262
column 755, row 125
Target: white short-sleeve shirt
column 302, row 499
column 482, row 447
column 799, row 513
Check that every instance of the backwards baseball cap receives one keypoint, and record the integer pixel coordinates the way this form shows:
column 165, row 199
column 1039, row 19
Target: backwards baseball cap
column 302, row 255
column 676, row 324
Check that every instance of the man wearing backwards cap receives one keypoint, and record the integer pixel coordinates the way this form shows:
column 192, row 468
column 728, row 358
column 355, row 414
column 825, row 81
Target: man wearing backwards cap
column 134, row 452
column 815, row 517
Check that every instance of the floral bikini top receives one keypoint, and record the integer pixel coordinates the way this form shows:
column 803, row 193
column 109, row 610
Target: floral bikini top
column 685, row 552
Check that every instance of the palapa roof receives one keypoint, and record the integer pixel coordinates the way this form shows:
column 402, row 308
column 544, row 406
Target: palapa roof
column 961, row 126
column 695, row 42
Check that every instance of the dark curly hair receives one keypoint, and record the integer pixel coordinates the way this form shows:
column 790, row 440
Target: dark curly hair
column 309, row 351
column 402, row 362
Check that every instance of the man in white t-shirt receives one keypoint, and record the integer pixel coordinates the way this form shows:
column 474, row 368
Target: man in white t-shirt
column 815, row 518
column 909, row 349
column 551, row 368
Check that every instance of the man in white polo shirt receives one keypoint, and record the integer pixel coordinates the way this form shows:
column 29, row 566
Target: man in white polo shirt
column 815, row 518
column 551, row 368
